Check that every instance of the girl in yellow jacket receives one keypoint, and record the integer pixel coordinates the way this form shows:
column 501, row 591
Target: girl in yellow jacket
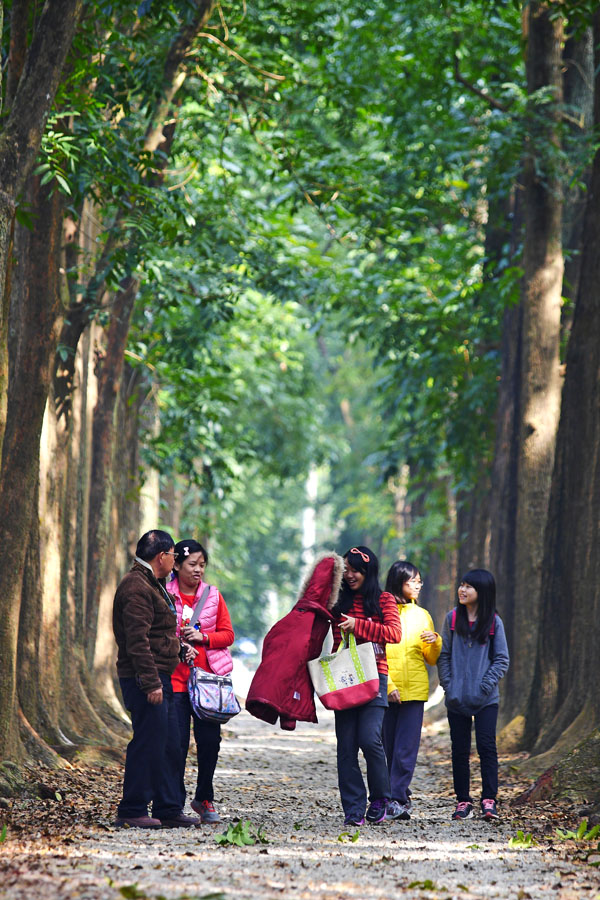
column 408, row 684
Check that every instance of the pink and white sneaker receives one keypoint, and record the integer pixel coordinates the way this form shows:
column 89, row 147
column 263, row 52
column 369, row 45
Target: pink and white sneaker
column 488, row 809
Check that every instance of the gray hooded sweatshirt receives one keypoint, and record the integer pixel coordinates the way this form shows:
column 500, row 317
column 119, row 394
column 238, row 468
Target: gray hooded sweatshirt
column 469, row 671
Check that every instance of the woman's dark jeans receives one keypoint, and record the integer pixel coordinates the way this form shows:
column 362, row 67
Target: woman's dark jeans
column 485, row 738
column 207, row 736
column 357, row 729
column 402, row 726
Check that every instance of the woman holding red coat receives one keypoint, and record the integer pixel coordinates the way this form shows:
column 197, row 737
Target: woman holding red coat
column 371, row 615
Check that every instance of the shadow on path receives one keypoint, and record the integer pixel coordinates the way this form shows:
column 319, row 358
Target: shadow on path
column 285, row 784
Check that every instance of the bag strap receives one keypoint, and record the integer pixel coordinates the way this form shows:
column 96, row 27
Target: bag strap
column 199, row 605
column 347, row 641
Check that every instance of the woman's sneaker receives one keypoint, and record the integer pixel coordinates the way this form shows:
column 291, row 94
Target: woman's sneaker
column 397, row 810
column 207, row 812
column 376, row 813
column 354, row 820
column 464, row 810
column 488, row 809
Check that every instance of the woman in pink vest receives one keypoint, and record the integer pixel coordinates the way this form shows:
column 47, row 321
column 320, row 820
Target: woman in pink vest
column 210, row 637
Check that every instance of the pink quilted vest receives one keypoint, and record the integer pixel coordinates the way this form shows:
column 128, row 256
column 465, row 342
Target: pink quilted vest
column 220, row 660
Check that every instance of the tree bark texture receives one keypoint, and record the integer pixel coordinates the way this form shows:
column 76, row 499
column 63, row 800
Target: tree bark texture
column 540, row 364
column 125, row 518
column 21, row 135
column 567, row 647
column 110, row 367
column 579, row 101
column 35, row 312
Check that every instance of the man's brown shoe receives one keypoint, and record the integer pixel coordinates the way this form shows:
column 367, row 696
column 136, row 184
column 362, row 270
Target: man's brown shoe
column 180, row 821
column 137, row 822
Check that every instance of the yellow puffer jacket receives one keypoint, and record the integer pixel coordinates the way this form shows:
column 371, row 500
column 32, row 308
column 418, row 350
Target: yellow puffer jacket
column 406, row 660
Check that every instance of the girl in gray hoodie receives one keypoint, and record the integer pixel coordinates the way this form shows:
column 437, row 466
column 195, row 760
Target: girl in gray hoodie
column 473, row 659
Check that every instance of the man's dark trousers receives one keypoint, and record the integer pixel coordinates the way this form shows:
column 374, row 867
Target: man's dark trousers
column 152, row 761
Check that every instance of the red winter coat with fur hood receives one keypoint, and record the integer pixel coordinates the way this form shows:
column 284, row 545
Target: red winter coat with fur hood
column 281, row 686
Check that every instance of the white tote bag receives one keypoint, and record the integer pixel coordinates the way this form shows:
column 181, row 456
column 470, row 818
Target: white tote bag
column 346, row 678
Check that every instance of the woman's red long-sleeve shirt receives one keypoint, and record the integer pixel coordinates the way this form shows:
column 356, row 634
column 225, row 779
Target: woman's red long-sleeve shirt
column 381, row 631
column 221, row 637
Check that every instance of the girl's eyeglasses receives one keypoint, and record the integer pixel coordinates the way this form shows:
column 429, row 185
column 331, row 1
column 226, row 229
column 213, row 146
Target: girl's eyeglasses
column 365, row 556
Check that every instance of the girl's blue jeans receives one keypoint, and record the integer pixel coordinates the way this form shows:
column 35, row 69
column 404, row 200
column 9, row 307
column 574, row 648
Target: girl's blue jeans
column 357, row 729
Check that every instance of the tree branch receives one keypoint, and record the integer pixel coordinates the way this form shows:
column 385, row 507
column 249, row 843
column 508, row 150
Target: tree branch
column 491, row 101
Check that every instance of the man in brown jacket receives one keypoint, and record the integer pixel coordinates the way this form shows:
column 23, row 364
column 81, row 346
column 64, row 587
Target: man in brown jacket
column 144, row 625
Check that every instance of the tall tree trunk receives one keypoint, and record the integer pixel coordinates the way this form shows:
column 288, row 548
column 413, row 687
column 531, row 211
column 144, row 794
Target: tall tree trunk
column 110, row 368
column 35, row 315
column 540, row 370
column 503, row 498
column 565, row 696
column 31, row 91
column 476, row 520
column 125, row 525
column 579, row 100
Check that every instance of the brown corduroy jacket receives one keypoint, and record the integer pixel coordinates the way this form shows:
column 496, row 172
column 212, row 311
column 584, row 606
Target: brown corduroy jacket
column 144, row 629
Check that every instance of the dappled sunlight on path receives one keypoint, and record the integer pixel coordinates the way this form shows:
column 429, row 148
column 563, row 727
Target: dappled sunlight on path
column 285, row 784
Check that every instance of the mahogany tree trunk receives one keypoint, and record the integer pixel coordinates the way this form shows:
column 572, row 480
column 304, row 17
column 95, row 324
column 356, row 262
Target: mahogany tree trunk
column 540, row 385
column 565, row 695
column 30, row 92
column 578, row 59
column 110, row 368
column 34, row 318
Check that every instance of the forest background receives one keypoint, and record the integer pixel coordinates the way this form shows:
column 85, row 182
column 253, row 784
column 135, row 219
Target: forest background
column 288, row 276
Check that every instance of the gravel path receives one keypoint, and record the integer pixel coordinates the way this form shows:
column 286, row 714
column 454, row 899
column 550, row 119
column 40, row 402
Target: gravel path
column 285, row 784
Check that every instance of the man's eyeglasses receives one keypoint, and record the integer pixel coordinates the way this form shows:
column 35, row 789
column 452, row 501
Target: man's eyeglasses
column 170, row 553
column 364, row 556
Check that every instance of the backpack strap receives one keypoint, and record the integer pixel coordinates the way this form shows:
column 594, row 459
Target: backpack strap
column 453, row 623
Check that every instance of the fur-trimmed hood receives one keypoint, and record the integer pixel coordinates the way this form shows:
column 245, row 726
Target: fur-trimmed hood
column 322, row 582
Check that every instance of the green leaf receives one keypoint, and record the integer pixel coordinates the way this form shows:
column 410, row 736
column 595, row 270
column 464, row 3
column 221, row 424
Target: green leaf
column 24, row 218
column 522, row 841
column 347, row 836
column 132, row 892
column 239, row 835
column 582, row 829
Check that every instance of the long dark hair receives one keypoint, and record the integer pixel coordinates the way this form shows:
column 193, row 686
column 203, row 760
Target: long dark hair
column 484, row 584
column 400, row 572
column 370, row 589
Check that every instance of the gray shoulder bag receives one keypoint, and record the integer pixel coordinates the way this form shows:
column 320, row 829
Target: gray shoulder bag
column 212, row 696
